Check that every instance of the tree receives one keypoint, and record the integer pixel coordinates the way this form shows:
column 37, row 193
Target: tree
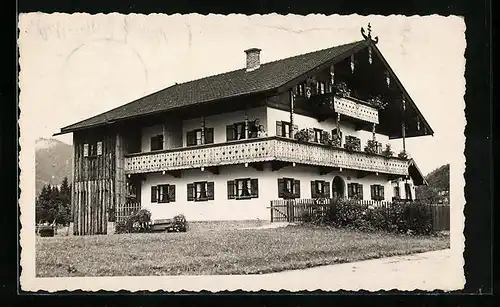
column 63, row 215
column 54, row 203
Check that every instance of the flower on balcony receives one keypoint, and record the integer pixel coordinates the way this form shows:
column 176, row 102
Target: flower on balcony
column 377, row 102
column 403, row 155
column 333, row 139
column 302, row 136
column 372, row 147
column 387, row 151
column 352, row 143
column 341, row 90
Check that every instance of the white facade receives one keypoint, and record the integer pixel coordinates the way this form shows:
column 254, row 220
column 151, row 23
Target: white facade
column 222, row 208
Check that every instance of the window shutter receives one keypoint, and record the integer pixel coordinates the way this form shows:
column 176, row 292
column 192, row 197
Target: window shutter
column 296, row 188
column 190, row 192
column 209, row 135
column 295, row 129
column 279, row 128
column 349, row 190
column 190, row 138
column 99, row 148
column 324, row 137
column 230, row 189
column 382, row 196
column 254, row 187
column 229, row 133
column 171, row 193
column 313, row 189
column 154, row 194
column 372, row 191
column 360, row 191
column 210, row 190
column 326, row 189
column 281, row 187
column 85, row 150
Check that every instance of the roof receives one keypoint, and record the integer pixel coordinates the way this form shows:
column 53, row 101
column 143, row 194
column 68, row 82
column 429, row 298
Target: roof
column 415, row 173
column 239, row 82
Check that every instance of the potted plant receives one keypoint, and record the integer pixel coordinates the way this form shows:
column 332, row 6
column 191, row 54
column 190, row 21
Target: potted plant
column 378, row 102
column 387, row 151
column 302, row 136
column 341, row 90
column 403, row 155
column 371, row 147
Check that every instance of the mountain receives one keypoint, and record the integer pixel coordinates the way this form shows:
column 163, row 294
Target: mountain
column 53, row 160
column 439, row 185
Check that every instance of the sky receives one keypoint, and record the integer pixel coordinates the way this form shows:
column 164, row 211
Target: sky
column 74, row 66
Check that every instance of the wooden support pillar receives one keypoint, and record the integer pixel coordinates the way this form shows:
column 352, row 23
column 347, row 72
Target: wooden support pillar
column 203, row 129
column 246, row 122
column 338, row 129
column 403, row 127
column 374, row 135
column 292, row 102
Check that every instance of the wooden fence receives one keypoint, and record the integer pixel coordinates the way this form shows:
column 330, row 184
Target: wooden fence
column 297, row 210
column 124, row 211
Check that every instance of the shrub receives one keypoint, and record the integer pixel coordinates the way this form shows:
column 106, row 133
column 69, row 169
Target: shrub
column 180, row 223
column 137, row 222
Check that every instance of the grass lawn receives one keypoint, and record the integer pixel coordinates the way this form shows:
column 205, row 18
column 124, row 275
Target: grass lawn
column 219, row 249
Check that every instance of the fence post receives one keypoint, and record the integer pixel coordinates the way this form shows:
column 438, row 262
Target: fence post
column 271, row 211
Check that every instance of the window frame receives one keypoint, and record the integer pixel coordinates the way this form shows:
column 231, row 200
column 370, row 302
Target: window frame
column 356, row 189
column 377, row 192
column 153, row 141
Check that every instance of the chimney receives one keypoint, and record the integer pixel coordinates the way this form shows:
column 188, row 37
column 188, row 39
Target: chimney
column 253, row 58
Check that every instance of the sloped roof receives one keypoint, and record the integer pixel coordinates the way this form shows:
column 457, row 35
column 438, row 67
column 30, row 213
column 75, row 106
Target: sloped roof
column 231, row 84
column 415, row 173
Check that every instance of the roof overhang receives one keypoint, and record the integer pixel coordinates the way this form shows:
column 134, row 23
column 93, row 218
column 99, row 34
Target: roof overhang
column 415, row 173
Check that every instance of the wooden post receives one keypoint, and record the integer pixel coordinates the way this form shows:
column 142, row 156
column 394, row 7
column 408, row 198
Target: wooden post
column 246, row 122
column 374, row 136
column 292, row 102
column 338, row 129
column 403, row 128
column 203, row 129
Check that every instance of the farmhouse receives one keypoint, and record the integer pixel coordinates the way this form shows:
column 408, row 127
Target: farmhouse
column 222, row 147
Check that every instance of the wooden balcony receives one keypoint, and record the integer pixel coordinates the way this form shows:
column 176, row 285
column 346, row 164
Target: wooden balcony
column 347, row 106
column 261, row 150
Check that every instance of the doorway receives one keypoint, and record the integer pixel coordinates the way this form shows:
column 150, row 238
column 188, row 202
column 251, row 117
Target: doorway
column 338, row 187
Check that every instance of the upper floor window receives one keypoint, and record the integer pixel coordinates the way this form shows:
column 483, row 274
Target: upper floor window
column 355, row 191
column 320, row 136
column 301, row 89
column 288, row 188
column 157, row 142
column 320, row 189
column 197, row 137
column 200, row 191
column 92, row 149
column 242, row 130
column 242, row 188
column 284, row 128
column 163, row 193
column 377, row 192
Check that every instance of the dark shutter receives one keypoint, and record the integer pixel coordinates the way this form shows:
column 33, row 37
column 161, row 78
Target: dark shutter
column 279, row 128
column 254, row 187
column 373, row 192
column 154, row 194
column 349, row 190
column 171, row 193
column 190, row 192
column 209, row 135
column 210, row 190
column 324, row 137
column 229, row 133
column 295, row 129
column 313, row 189
column 382, row 196
column 360, row 191
column 326, row 189
column 296, row 188
column 230, row 189
column 190, row 138
column 281, row 187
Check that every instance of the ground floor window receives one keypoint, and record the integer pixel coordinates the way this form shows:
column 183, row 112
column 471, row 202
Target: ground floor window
column 288, row 188
column 408, row 191
column 200, row 191
column 355, row 191
column 243, row 188
column 320, row 189
column 377, row 192
column 163, row 193
column 397, row 194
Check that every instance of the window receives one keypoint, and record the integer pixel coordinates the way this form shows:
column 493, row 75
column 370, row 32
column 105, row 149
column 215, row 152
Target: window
column 288, row 188
column 196, row 137
column 397, row 193
column 157, row 142
column 92, row 149
column 355, row 191
column 320, row 87
column 408, row 191
column 236, row 131
column 377, row 192
column 284, row 129
column 200, row 191
column 320, row 136
column 164, row 193
column 301, row 89
column 242, row 188
column 320, row 189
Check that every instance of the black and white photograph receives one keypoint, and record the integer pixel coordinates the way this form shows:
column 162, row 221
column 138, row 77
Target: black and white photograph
column 254, row 152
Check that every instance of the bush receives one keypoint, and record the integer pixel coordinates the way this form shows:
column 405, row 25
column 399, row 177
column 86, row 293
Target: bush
column 180, row 223
column 138, row 222
column 398, row 217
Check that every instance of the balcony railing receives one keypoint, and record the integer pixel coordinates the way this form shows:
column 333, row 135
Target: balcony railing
column 261, row 150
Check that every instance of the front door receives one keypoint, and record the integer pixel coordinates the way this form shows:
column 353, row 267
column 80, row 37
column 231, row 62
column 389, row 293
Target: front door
column 338, row 187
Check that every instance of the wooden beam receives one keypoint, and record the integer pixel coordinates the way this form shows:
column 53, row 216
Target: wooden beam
column 257, row 165
column 323, row 170
column 174, row 173
column 213, row 169
column 277, row 165
column 361, row 174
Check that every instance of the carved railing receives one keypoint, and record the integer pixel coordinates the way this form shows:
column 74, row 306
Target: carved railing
column 355, row 108
column 260, row 150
